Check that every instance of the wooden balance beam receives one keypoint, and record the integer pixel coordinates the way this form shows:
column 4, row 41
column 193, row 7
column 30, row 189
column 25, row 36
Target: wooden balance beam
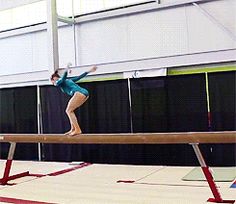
column 125, row 138
column 192, row 138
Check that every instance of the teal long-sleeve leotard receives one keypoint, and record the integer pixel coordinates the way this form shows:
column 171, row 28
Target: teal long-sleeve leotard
column 68, row 85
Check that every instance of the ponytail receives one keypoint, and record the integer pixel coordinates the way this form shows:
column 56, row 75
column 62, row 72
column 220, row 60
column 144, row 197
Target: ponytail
column 55, row 74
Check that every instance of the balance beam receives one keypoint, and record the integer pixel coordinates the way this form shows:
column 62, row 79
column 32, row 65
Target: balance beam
column 125, row 138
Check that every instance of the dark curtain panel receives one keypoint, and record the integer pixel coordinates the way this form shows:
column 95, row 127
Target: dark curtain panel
column 187, row 103
column 148, row 96
column 53, row 106
column 7, row 123
column 19, row 115
column 169, row 104
column 222, row 100
column 222, row 89
column 54, row 120
column 106, row 111
column 149, row 105
column 187, row 111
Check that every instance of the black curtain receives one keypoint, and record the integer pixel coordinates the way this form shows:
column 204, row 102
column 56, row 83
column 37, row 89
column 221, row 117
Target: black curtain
column 18, row 108
column 187, row 111
column 53, row 106
column 222, row 100
column 148, row 96
column 160, row 104
column 54, row 120
column 7, row 123
column 187, row 103
column 149, row 105
column 106, row 111
column 169, row 104
column 222, row 89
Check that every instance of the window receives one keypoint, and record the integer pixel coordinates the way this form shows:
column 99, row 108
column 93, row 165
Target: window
column 23, row 16
column 90, row 6
column 37, row 12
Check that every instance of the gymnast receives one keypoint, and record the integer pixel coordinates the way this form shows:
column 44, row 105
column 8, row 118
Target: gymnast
column 79, row 96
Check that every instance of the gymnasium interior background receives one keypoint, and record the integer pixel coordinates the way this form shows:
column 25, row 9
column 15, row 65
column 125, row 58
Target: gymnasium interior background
column 163, row 66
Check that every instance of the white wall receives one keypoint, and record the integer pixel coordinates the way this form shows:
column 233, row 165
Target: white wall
column 66, row 45
column 7, row 4
column 24, row 53
column 204, row 34
column 102, row 41
column 155, row 34
column 152, row 34
column 175, row 36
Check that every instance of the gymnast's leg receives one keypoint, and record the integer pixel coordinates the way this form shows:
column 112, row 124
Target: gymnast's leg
column 75, row 102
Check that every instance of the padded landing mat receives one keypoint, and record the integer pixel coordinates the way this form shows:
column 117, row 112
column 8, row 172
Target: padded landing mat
column 233, row 185
column 220, row 174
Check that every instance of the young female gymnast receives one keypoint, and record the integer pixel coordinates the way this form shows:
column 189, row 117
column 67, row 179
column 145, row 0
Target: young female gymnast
column 79, row 96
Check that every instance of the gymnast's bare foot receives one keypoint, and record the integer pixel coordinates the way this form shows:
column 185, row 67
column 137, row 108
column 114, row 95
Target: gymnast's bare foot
column 69, row 132
column 75, row 132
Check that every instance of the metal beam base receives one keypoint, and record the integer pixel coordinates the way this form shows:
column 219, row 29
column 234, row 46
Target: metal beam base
column 217, row 197
column 213, row 200
column 4, row 181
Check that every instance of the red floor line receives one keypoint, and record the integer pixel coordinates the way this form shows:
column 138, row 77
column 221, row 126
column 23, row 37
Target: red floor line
column 155, row 171
column 159, row 184
column 20, row 201
column 69, row 170
column 162, row 184
column 134, row 181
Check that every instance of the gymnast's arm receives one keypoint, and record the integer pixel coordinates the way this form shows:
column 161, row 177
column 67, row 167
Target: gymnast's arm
column 75, row 79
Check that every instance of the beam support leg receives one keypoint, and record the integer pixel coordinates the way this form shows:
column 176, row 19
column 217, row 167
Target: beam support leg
column 6, row 177
column 217, row 197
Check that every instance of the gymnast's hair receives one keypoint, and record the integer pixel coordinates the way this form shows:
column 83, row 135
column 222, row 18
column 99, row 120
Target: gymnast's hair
column 55, row 74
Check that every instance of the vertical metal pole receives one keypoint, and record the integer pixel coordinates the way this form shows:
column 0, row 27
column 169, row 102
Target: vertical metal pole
column 52, row 31
column 39, row 119
column 74, row 33
column 130, row 107
column 208, row 102
column 207, row 93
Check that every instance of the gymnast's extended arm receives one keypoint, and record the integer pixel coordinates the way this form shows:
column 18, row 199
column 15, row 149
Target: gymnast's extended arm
column 75, row 79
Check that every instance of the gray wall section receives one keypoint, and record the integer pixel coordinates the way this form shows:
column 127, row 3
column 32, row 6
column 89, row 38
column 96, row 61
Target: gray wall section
column 178, row 32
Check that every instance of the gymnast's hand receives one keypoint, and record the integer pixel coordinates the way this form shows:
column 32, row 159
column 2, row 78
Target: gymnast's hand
column 68, row 67
column 93, row 69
